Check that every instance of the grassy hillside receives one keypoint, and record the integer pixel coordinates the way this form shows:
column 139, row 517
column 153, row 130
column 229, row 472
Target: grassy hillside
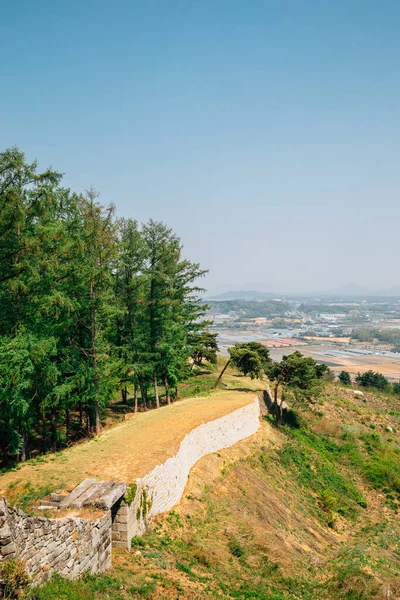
column 305, row 513
column 125, row 451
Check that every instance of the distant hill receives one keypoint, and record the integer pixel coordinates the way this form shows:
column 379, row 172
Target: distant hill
column 393, row 291
column 355, row 290
column 351, row 289
column 242, row 295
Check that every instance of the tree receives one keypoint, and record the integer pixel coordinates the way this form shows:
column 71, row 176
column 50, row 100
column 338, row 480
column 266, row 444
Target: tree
column 344, row 377
column 250, row 358
column 297, row 373
column 396, row 388
column 89, row 305
column 204, row 346
column 372, row 379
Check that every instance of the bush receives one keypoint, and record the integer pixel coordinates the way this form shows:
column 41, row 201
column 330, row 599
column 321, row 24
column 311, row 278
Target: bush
column 344, row 377
column 13, row 579
column 383, row 472
column 371, row 379
column 236, row 548
column 291, row 418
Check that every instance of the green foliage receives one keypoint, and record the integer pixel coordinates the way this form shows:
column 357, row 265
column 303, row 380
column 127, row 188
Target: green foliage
column 344, row 377
column 388, row 336
column 236, row 548
column 90, row 305
column 30, row 495
column 13, row 579
column 297, row 372
column 315, row 459
column 137, row 542
column 374, row 380
column 204, row 347
column 250, row 358
column 130, row 493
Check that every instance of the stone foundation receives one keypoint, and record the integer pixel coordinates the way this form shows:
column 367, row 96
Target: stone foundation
column 69, row 546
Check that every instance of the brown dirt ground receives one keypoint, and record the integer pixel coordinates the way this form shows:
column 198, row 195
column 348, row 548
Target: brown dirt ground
column 128, row 450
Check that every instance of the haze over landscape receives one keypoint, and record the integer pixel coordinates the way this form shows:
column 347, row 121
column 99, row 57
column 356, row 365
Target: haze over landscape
column 265, row 134
column 199, row 300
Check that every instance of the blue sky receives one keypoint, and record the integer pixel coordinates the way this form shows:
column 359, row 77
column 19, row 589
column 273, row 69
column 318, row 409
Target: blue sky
column 266, row 133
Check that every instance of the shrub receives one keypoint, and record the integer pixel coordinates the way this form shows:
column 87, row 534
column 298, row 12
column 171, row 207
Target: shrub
column 344, row 377
column 13, row 579
column 291, row 418
column 236, row 549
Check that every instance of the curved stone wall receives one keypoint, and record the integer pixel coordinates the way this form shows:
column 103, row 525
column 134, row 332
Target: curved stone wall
column 161, row 489
column 71, row 546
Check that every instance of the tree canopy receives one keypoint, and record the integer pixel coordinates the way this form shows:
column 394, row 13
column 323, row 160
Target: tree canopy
column 250, row 358
column 344, row 377
column 372, row 379
column 90, row 305
column 298, row 374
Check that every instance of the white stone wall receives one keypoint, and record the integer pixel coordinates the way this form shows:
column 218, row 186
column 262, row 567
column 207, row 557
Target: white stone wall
column 161, row 489
column 71, row 546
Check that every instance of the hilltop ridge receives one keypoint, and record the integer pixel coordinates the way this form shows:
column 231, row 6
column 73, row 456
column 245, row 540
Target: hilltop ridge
column 305, row 512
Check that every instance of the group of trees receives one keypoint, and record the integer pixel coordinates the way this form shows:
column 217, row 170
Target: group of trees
column 385, row 336
column 295, row 373
column 371, row 379
column 90, row 304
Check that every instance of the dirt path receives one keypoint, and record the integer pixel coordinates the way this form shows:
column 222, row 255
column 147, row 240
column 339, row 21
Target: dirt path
column 125, row 451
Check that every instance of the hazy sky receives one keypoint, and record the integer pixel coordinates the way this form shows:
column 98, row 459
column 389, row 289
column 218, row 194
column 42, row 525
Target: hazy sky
column 266, row 133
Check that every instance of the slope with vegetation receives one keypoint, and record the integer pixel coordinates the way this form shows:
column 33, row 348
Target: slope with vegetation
column 304, row 510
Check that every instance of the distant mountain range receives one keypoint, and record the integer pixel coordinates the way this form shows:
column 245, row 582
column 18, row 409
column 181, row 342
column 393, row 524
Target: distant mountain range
column 350, row 290
column 242, row 295
column 353, row 289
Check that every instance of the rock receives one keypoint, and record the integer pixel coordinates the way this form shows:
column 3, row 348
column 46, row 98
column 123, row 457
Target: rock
column 358, row 393
column 56, row 497
column 388, row 428
column 101, row 488
column 76, row 493
column 107, row 500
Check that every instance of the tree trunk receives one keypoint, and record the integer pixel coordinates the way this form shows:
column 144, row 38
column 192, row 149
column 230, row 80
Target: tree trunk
column 176, row 393
column 53, row 430
column 67, row 424
column 167, row 394
column 220, row 376
column 143, row 393
column 278, row 406
column 94, row 361
column 24, row 447
column 276, row 392
column 124, row 395
column 135, row 398
column 156, row 393
column 97, row 418
column 43, row 430
column 281, row 406
column 81, row 415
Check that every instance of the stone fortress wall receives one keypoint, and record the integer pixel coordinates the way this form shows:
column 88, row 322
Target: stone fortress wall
column 69, row 546
column 163, row 487
column 72, row 545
